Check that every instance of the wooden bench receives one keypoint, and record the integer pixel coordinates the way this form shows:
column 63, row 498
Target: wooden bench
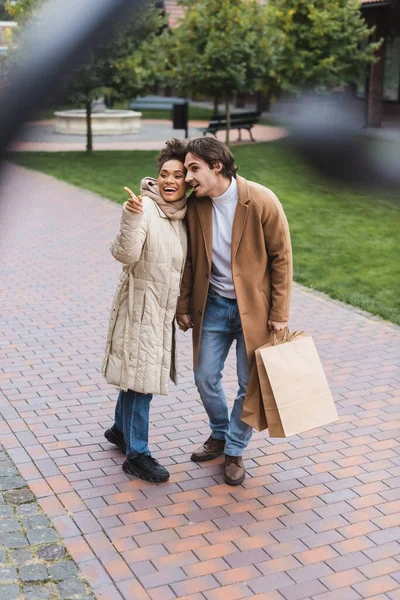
column 242, row 120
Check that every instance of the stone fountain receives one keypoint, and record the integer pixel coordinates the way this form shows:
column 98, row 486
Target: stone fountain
column 104, row 121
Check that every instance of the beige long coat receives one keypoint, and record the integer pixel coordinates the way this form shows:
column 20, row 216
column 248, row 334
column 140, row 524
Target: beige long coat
column 140, row 345
column 261, row 258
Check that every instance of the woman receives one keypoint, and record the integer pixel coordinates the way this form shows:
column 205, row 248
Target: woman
column 140, row 349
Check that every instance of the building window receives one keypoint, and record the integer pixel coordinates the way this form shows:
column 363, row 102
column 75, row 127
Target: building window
column 391, row 81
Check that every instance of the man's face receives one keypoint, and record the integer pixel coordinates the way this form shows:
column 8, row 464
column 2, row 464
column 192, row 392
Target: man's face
column 200, row 177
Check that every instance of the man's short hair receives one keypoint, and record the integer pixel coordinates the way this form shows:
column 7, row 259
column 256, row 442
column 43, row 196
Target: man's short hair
column 212, row 151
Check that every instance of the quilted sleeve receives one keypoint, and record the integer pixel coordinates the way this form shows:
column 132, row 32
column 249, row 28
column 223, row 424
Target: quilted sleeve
column 129, row 241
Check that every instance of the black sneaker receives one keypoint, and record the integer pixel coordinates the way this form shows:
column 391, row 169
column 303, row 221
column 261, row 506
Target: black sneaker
column 116, row 437
column 146, row 467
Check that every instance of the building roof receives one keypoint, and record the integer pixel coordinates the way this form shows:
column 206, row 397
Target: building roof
column 175, row 12
column 375, row 1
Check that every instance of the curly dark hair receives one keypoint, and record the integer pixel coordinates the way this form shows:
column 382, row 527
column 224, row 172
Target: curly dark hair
column 174, row 150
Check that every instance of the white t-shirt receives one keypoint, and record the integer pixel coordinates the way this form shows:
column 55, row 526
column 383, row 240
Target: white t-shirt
column 223, row 212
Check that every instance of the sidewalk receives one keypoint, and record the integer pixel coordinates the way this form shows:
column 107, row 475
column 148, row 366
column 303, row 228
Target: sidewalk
column 318, row 515
column 40, row 136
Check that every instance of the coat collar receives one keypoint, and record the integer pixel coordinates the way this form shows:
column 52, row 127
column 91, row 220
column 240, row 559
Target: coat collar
column 240, row 219
column 204, row 211
column 243, row 189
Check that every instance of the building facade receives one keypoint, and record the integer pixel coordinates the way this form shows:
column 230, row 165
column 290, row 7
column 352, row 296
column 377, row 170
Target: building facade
column 381, row 88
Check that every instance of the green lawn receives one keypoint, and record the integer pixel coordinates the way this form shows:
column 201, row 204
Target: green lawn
column 345, row 242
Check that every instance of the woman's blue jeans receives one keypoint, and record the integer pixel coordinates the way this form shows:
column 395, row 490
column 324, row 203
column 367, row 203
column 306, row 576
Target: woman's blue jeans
column 132, row 415
column 221, row 326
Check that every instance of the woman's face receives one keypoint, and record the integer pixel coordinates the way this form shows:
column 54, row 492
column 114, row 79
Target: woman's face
column 171, row 180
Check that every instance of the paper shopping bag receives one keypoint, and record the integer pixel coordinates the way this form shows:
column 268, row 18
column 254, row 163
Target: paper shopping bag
column 253, row 412
column 295, row 391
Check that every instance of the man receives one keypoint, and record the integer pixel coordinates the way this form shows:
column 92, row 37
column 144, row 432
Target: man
column 236, row 286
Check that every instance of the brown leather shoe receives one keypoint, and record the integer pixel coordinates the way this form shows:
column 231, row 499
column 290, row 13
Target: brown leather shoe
column 234, row 472
column 212, row 448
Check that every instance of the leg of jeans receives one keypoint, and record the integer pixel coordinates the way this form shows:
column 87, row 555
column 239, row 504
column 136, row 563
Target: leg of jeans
column 239, row 434
column 214, row 348
column 136, row 416
column 118, row 418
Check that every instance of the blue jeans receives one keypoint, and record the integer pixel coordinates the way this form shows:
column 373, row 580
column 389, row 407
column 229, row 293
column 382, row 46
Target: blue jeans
column 132, row 415
column 221, row 326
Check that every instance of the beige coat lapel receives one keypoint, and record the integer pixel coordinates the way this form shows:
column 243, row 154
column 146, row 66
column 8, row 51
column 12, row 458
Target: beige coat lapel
column 240, row 218
column 204, row 210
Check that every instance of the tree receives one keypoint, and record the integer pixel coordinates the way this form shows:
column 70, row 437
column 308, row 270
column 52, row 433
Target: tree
column 219, row 49
column 4, row 14
column 21, row 10
column 110, row 67
column 318, row 44
column 105, row 68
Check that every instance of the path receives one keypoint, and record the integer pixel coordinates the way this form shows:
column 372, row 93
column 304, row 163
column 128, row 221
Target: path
column 39, row 136
column 318, row 515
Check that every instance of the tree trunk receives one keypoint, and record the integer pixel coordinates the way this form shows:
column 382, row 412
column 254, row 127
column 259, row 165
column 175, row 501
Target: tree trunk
column 263, row 101
column 228, row 120
column 216, row 102
column 89, row 136
column 240, row 100
column 375, row 90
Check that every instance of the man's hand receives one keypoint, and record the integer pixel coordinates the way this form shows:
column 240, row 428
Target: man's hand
column 276, row 326
column 185, row 322
column 135, row 203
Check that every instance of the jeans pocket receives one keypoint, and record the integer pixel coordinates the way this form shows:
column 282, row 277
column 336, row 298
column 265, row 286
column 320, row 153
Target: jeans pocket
column 212, row 296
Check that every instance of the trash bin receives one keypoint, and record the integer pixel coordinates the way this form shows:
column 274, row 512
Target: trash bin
column 180, row 116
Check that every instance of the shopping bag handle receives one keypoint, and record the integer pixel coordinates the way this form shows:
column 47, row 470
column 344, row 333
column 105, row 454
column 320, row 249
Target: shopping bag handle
column 287, row 337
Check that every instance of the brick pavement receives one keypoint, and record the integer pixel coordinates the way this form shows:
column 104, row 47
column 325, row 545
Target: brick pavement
column 318, row 515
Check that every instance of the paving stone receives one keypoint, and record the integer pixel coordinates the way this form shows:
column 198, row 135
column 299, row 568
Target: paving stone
column 9, row 591
column 1, row 499
column 3, row 556
column 51, row 552
column 8, row 573
column 33, row 573
column 7, row 469
column 18, row 496
column 38, row 592
column 25, row 510
column 6, row 511
column 42, row 536
column 71, row 587
column 11, row 483
column 36, row 522
column 63, row 570
column 21, row 557
column 9, row 525
column 13, row 540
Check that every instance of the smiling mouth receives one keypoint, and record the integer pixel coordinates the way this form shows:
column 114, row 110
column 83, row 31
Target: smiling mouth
column 170, row 190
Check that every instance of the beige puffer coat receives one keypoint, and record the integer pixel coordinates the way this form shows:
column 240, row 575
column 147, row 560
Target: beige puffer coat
column 140, row 349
